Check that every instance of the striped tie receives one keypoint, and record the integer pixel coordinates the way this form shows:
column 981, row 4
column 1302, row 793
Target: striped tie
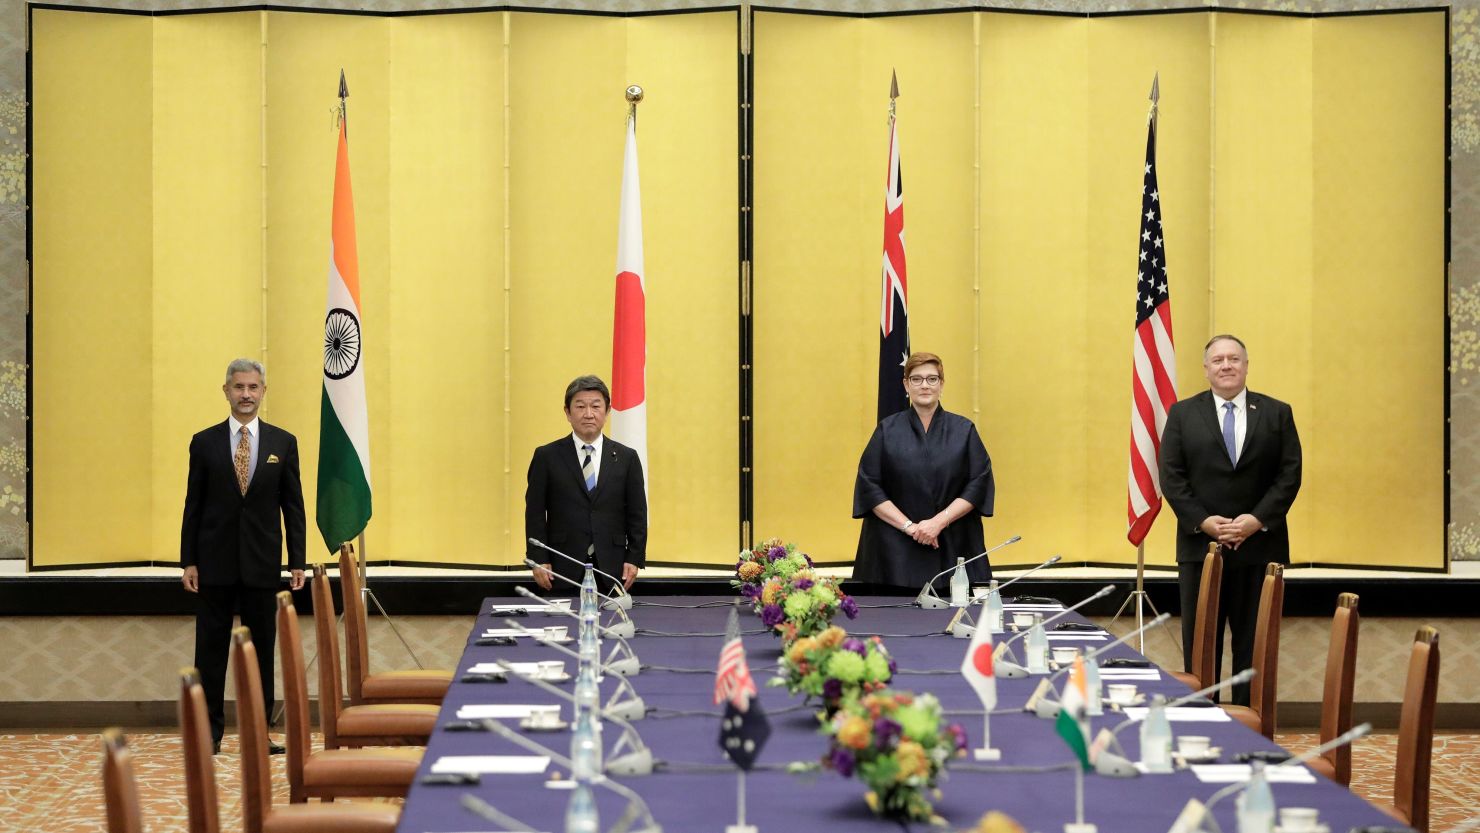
column 588, row 468
column 243, row 460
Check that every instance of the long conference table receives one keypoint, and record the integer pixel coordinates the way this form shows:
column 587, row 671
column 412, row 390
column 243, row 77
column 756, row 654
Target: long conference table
column 695, row 794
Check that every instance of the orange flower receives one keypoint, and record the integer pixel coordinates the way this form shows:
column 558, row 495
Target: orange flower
column 856, row 733
column 800, row 648
column 912, row 760
column 770, row 591
column 832, row 637
column 749, row 571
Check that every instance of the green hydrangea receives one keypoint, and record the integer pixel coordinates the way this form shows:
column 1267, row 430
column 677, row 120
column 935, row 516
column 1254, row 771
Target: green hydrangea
column 797, row 559
column 917, row 723
column 797, row 605
column 876, row 667
column 785, row 568
column 846, row 666
column 812, row 683
column 823, row 594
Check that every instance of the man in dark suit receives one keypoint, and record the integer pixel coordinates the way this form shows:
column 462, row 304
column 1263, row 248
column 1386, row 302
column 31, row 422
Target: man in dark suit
column 586, row 496
column 243, row 476
column 1230, row 468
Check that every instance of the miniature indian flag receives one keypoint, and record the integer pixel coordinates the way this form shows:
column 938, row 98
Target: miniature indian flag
column 1072, row 725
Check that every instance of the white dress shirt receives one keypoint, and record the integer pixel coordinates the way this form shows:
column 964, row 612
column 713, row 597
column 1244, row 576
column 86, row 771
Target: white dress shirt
column 1240, row 419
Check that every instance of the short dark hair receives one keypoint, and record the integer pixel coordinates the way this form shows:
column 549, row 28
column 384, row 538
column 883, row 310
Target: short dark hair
column 1225, row 337
column 585, row 383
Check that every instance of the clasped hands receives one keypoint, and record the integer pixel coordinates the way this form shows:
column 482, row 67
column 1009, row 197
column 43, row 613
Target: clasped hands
column 927, row 532
column 1231, row 532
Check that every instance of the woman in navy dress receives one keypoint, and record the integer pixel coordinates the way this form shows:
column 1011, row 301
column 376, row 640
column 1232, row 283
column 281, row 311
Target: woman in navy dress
column 924, row 482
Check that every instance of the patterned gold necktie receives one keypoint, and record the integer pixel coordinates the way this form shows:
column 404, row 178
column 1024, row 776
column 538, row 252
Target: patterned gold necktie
column 243, row 460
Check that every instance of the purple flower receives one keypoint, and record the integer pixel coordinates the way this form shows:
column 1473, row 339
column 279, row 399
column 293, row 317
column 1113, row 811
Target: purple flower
column 886, row 731
column 960, row 736
column 771, row 615
column 856, row 646
column 850, row 607
column 810, row 563
column 777, row 553
column 841, row 760
column 802, row 584
column 832, row 688
column 893, row 667
column 750, row 591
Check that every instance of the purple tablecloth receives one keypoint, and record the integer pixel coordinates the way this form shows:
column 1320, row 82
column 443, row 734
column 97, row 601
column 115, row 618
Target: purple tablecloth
column 685, row 801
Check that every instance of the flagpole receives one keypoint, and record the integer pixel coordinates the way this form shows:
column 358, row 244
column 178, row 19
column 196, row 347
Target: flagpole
column 1079, row 825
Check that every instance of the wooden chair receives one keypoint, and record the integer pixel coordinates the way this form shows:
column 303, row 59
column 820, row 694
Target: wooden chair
column 418, row 685
column 330, row 772
column 1336, row 697
column 1416, row 734
column 202, row 808
column 399, row 724
column 258, row 814
column 120, row 793
column 1205, row 634
column 1260, row 714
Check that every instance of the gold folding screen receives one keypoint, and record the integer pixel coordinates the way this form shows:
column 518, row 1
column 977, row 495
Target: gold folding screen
column 181, row 197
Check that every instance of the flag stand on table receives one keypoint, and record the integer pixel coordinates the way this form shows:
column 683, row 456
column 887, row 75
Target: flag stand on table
column 976, row 666
column 894, row 315
column 744, row 729
column 1073, row 726
column 1154, row 382
column 344, row 423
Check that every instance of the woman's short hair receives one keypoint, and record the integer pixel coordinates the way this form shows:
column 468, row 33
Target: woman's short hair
column 917, row 359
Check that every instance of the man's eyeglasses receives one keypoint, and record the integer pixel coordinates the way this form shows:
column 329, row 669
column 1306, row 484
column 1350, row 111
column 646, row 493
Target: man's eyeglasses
column 917, row 381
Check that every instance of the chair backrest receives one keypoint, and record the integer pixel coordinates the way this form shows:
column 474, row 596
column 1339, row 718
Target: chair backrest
column 1264, row 694
column 120, row 793
column 331, row 694
column 203, row 811
column 1205, row 632
column 252, row 726
column 1416, row 730
column 356, row 640
column 1341, row 677
column 295, row 690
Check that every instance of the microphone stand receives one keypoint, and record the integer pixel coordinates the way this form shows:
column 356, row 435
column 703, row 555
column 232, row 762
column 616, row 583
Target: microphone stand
column 621, row 631
column 1011, row 670
column 488, row 812
column 929, row 600
column 638, row 761
column 620, row 612
column 1118, row 765
column 632, row 708
column 621, row 598
column 635, row 804
column 1356, row 733
column 1039, row 703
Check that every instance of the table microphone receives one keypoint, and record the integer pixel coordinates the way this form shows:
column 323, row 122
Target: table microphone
column 1119, row 766
column 621, row 631
column 620, row 611
column 1356, row 733
column 1049, row 709
column 622, row 598
column 639, row 761
column 1049, row 563
column 635, row 804
column 625, row 667
column 928, row 600
column 1011, row 670
column 488, row 812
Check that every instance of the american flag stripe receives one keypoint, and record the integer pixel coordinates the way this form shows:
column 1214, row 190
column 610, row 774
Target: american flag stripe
column 1154, row 381
column 732, row 680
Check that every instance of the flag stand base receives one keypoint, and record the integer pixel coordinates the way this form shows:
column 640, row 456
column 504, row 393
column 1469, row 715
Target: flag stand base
column 1080, row 827
column 741, row 828
column 987, row 754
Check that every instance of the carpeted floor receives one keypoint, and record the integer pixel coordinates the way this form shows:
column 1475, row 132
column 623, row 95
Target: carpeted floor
column 51, row 782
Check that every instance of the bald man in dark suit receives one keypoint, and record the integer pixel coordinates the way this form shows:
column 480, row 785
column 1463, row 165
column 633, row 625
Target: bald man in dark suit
column 1230, row 468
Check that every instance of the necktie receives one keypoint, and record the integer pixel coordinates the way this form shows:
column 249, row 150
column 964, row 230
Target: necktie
column 588, row 468
column 243, row 460
column 1228, row 433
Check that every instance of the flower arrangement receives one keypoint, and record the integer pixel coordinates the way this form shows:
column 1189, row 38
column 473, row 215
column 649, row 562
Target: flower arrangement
column 833, row 665
column 896, row 744
column 770, row 559
column 803, row 605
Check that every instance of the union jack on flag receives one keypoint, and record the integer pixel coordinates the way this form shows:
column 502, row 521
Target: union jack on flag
column 894, row 316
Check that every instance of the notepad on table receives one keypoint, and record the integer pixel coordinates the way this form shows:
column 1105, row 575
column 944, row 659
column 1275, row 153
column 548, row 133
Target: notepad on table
column 1129, row 674
column 1238, row 773
column 502, row 711
column 1184, row 714
column 1078, row 637
column 492, row 764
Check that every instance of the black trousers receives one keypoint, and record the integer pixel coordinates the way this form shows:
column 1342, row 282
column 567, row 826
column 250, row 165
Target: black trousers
column 215, row 605
column 1238, row 609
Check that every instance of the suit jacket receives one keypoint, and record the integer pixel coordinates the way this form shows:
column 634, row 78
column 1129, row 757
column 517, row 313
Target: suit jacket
column 610, row 520
column 1199, row 480
column 233, row 538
